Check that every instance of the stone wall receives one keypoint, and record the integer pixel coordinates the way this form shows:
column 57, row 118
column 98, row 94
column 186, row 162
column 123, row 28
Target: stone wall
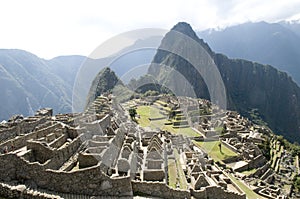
column 88, row 160
column 153, row 174
column 98, row 126
column 41, row 152
column 63, row 154
column 21, row 141
column 216, row 192
column 230, row 146
column 58, row 142
column 260, row 171
column 89, row 181
column 257, row 162
column 199, row 194
column 232, row 159
column 23, row 127
column 111, row 154
column 53, row 158
column 158, row 189
column 20, row 191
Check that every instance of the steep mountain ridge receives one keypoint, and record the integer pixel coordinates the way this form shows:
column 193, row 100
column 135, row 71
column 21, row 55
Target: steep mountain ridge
column 248, row 85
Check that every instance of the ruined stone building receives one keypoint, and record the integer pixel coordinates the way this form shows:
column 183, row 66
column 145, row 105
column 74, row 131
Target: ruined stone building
column 101, row 153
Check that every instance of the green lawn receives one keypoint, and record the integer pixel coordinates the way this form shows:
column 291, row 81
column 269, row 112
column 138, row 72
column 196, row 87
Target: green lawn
column 181, row 175
column 212, row 148
column 188, row 131
column 172, row 171
column 147, row 112
column 249, row 193
column 176, row 174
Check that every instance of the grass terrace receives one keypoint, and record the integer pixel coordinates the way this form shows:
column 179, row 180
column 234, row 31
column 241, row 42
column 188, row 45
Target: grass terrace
column 172, row 173
column 148, row 115
column 176, row 173
column 213, row 150
column 249, row 193
column 181, row 175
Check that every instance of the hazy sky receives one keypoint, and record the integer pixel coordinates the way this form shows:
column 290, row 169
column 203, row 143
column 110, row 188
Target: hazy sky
column 49, row 28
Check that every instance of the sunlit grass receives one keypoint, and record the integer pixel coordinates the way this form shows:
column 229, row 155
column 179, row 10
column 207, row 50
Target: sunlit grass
column 213, row 150
column 172, row 172
column 249, row 193
column 146, row 112
column 181, row 175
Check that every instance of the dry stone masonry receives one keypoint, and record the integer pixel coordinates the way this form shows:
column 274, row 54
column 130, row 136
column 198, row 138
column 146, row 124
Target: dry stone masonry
column 101, row 152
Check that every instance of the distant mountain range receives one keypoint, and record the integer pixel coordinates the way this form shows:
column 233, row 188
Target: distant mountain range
column 29, row 82
column 276, row 44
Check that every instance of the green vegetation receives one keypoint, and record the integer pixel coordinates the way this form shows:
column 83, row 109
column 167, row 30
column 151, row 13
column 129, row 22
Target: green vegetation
column 256, row 117
column 181, row 175
column 146, row 112
column 172, row 171
column 265, row 148
column 294, row 148
column 132, row 113
column 216, row 152
column 187, row 131
column 296, row 183
column 219, row 130
column 250, row 193
column 176, row 174
column 271, row 85
column 205, row 111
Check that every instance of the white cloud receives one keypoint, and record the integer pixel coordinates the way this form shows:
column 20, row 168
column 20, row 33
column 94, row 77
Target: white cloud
column 50, row 28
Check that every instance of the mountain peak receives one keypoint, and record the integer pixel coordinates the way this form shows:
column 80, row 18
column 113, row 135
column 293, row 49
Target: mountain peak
column 186, row 29
column 104, row 82
column 182, row 26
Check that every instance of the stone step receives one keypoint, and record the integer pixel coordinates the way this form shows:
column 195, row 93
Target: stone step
column 266, row 175
column 73, row 196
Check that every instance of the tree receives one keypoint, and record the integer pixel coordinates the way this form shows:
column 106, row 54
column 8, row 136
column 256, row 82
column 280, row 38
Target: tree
column 171, row 114
column 132, row 113
column 220, row 147
column 296, row 183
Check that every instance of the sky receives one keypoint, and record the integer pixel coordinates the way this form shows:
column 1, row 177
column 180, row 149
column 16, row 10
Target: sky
column 51, row 28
